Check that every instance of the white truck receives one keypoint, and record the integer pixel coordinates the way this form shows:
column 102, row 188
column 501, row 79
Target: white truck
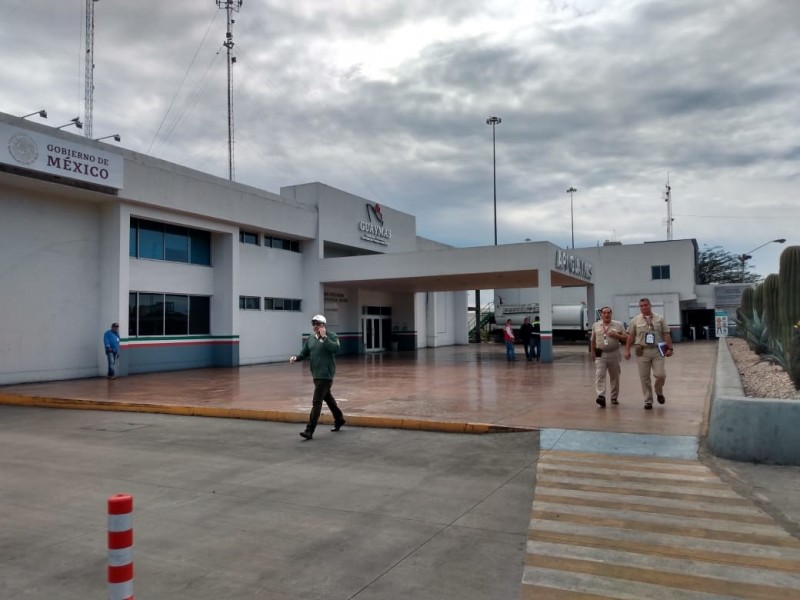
column 570, row 321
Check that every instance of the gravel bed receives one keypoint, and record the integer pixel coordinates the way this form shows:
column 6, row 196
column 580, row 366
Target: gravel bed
column 760, row 379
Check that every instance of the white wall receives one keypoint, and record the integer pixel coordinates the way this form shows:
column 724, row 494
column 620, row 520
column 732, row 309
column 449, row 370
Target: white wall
column 50, row 270
column 622, row 274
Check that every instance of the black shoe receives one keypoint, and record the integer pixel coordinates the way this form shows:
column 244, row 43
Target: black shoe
column 601, row 401
column 306, row 435
column 648, row 406
column 661, row 399
column 337, row 425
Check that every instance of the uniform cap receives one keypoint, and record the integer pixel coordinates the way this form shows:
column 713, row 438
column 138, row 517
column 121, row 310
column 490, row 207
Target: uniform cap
column 319, row 318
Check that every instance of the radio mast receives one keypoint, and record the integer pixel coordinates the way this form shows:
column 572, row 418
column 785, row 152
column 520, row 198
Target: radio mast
column 230, row 6
column 88, row 78
column 668, row 200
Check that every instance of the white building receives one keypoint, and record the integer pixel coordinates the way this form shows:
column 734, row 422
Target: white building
column 664, row 272
column 200, row 271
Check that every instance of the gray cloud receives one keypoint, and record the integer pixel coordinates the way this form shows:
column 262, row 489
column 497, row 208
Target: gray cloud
column 608, row 97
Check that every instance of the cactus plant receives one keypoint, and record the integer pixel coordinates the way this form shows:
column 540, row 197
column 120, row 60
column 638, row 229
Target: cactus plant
column 789, row 293
column 758, row 299
column 747, row 302
column 771, row 316
column 794, row 356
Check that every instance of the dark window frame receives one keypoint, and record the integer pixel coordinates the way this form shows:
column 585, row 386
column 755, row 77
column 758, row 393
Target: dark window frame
column 197, row 307
column 249, row 303
column 660, row 272
column 196, row 248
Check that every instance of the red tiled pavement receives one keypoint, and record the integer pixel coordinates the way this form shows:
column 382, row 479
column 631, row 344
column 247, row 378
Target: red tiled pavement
column 460, row 384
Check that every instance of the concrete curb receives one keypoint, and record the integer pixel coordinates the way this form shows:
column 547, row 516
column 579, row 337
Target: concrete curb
column 258, row 415
column 761, row 430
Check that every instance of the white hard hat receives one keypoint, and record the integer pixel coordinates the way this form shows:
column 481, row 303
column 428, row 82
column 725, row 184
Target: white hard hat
column 319, row 318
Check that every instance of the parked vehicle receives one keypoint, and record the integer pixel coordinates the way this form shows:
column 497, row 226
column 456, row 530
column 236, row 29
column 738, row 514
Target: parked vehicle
column 570, row 321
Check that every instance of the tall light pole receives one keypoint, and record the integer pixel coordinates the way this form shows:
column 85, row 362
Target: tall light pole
column 494, row 121
column 743, row 258
column 571, row 191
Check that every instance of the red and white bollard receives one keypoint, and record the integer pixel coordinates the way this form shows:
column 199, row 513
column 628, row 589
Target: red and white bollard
column 120, row 547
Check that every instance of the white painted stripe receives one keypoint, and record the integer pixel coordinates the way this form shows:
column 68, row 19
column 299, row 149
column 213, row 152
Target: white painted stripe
column 711, row 505
column 665, row 539
column 665, row 564
column 637, row 465
column 123, row 556
column 120, row 591
column 613, row 588
column 590, row 470
column 633, row 485
column 656, row 519
column 118, row 523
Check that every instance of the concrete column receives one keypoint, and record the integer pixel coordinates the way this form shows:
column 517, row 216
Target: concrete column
column 546, row 314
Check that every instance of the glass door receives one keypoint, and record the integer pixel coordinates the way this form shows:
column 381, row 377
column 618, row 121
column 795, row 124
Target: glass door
column 372, row 333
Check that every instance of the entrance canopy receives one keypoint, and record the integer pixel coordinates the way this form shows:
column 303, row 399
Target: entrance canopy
column 458, row 269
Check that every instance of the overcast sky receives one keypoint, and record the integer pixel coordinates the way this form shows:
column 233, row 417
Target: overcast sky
column 389, row 99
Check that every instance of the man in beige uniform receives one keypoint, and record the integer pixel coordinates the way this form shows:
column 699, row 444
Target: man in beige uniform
column 604, row 344
column 646, row 331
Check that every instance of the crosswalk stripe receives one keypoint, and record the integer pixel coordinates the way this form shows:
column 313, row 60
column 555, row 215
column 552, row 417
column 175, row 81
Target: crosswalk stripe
column 711, row 553
column 654, row 507
column 705, row 568
column 723, row 497
column 633, row 527
column 709, row 506
column 655, row 518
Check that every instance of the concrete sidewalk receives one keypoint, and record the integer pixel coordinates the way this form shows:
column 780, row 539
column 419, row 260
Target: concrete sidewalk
column 238, row 509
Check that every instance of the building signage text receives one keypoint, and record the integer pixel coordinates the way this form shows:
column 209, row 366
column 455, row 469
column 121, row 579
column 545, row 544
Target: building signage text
column 373, row 229
column 571, row 264
column 46, row 154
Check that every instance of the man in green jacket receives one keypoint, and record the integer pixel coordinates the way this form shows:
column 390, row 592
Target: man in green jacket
column 322, row 346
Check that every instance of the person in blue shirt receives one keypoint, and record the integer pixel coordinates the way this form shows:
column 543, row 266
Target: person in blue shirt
column 111, row 343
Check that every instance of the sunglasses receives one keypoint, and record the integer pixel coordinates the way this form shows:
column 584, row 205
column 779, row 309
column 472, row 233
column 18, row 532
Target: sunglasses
column 317, row 323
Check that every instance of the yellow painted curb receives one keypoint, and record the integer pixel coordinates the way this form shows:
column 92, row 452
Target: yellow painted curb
column 255, row 414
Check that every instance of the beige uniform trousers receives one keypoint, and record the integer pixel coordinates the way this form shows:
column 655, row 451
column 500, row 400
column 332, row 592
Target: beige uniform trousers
column 651, row 360
column 609, row 363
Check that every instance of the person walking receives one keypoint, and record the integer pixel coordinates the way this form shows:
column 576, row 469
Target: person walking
column 526, row 335
column 111, row 345
column 508, row 337
column 322, row 347
column 650, row 335
column 537, row 338
column 604, row 348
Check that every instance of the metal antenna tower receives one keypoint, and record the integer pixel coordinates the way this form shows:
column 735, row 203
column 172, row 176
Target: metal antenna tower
column 668, row 200
column 88, row 78
column 230, row 6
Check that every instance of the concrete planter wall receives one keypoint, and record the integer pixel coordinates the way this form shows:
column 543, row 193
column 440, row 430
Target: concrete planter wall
column 761, row 430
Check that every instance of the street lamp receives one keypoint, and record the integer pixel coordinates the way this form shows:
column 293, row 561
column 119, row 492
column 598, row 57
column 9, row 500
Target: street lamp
column 117, row 138
column 494, row 121
column 743, row 258
column 42, row 113
column 76, row 121
column 571, row 191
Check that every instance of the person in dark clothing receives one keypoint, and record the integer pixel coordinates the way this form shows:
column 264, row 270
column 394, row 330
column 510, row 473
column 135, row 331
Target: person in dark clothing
column 322, row 347
column 526, row 335
column 536, row 340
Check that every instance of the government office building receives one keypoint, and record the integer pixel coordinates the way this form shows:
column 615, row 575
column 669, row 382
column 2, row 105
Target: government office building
column 200, row 271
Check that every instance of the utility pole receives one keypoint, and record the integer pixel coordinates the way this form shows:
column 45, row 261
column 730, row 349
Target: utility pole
column 230, row 6
column 668, row 200
column 571, row 191
column 88, row 77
